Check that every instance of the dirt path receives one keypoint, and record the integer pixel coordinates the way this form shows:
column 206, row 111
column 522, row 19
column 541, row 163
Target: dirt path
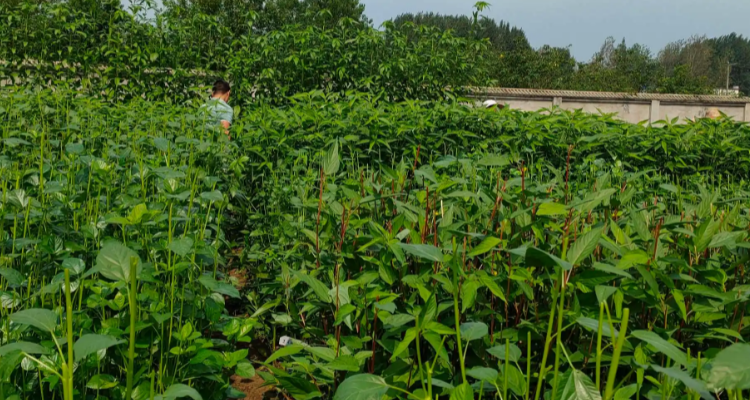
column 253, row 388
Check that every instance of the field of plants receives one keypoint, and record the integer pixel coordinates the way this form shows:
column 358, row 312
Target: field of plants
column 416, row 250
column 366, row 234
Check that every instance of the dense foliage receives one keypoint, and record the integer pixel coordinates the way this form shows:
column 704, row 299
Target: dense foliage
column 430, row 248
column 366, row 233
column 111, row 52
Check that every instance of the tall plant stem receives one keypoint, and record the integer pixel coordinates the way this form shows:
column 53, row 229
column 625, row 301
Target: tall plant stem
column 69, row 333
column 599, row 346
column 457, row 316
column 610, row 390
column 547, row 341
column 133, row 319
column 558, row 335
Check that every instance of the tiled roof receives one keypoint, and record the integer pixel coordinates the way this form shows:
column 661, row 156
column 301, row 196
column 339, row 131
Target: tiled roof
column 489, row 92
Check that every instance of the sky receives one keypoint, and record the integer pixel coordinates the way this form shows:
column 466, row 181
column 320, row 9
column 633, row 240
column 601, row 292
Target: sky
column 585, row 24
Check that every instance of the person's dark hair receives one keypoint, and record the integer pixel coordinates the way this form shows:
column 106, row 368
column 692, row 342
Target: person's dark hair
column 221, row 87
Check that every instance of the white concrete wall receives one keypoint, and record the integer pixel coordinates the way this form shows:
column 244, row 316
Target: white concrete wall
column 629, row 110
column 692, row 111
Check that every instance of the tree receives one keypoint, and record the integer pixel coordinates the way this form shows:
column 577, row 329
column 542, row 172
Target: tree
column 734, row 49
column 502, row 35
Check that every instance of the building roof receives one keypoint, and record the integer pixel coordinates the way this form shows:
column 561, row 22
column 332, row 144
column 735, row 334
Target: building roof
column 489, row 92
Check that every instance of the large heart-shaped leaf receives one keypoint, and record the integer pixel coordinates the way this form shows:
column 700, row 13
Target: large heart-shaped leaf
column 730, row 368
column 26, row 347
column 179, row 390
column 113, row 262
column 361, row 387
column 91, row 343
column 576, row 385
column 473, row 331
column 219, row 287
column 45, row 320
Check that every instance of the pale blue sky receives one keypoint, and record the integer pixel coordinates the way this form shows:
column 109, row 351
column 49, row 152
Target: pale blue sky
column 585, row 24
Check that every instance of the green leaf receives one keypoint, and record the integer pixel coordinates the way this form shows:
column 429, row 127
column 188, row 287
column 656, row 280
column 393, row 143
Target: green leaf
column 212, row 196
column 662, row 346
column 705, row 234
column 576, row 385
column 13, row 277
column 584, row 246
column 324, row 353
column 482, row 374
column 539, row 258
column 298, row 388
column 468, row 294
column 593, row 325
column 516, row 379
column 45, row 320
column 101, row 382
column 75, row 265
column 317, row 286
column 463, row 391
column 284, row 351
column 551, row 209
column 182, row 246
column 726, row 239
column 404, row 343
column 473, row 330
column 487, row 244
column 179, row 390
column 397, row 320
column 8, row 364
column 91, row 343
column 612, row 270
column 604, row 292
column 514, row 353
column 490, row 283
column 730, row 369
column 429, row 311
column 26, row 347
column 424, row 251
column 626, row 392
column 679, row 299
column 136, row 214
column 646, row 274
column 219, row 287
column 344, row 363
column 437, row 343
column 492, row 160
column 331, row 160
column 113, row 262
column 361, row 387
column 245, row 369
column 682, row 376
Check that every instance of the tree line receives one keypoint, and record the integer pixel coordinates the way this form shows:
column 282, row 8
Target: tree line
column 277, row 48
column 696, row 65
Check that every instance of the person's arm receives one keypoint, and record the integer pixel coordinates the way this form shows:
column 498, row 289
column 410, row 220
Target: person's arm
column 226, row 124
column 226, row 121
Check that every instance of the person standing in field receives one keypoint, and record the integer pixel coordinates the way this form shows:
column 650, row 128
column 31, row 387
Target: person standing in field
column 217, row 107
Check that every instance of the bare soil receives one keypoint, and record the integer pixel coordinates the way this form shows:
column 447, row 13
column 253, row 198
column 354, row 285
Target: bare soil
column 253, row 388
